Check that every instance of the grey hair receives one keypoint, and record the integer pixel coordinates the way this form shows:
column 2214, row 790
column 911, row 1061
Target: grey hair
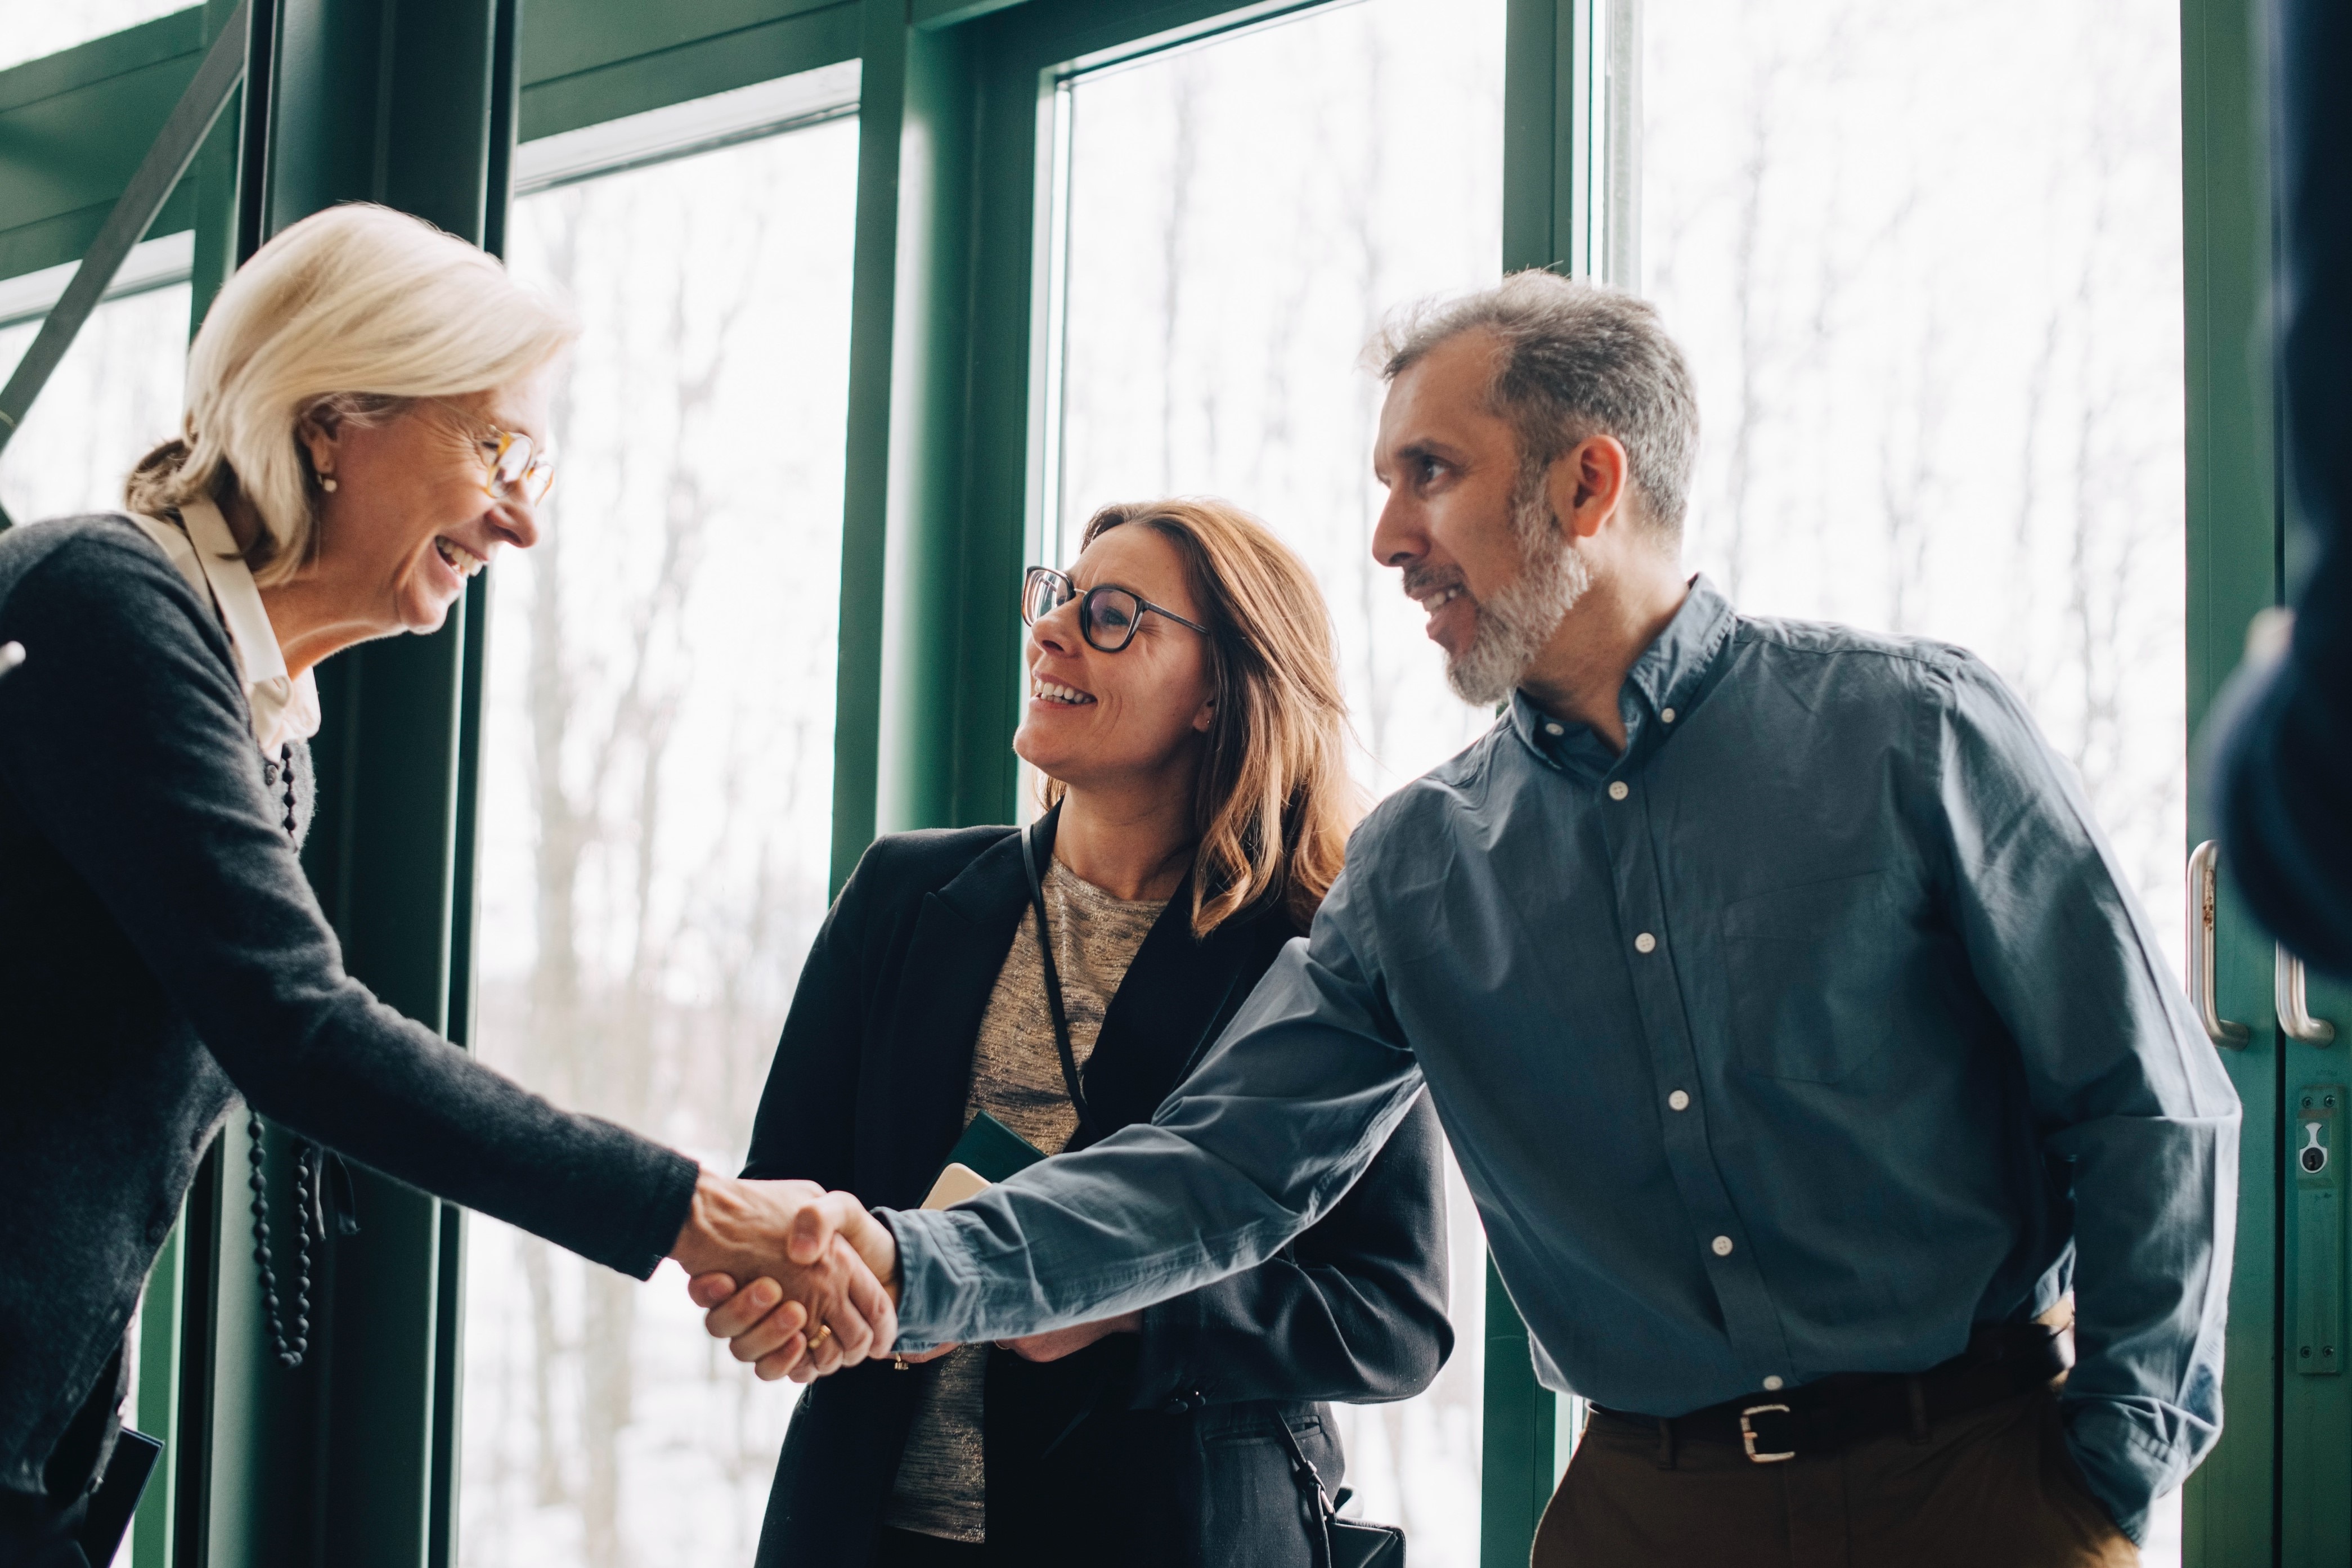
column 1579, row 358
column 353, row 314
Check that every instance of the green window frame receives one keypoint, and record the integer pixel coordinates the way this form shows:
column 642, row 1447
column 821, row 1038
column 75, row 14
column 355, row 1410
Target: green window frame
column 420, row 103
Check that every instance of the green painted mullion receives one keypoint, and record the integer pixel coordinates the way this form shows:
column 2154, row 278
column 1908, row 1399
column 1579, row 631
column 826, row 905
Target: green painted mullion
column 1011, row 248
column 925, row 751
column 1515, row 1468
column 866, row 466
column 1544, row 214
column 157, row 1412
column 2233, row 1505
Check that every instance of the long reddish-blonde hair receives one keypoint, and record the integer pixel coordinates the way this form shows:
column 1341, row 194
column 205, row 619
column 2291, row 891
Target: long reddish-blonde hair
column 1273, row 802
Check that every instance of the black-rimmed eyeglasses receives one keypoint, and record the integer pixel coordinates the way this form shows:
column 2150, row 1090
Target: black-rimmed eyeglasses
column 1108, row 614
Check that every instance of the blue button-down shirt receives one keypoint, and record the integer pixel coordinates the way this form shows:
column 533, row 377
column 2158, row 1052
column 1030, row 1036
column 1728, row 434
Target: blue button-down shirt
column 1809, row 1031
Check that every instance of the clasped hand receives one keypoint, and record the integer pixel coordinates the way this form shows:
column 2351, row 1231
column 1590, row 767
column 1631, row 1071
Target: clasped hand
column 766, row 1323
column 822, row 1272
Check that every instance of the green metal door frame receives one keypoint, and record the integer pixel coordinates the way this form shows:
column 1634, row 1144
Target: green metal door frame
column 2233, row 1505
column 950, row 245
column 2314, row 1403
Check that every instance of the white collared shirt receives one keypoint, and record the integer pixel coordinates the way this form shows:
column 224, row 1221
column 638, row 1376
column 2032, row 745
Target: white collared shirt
column 285, row 707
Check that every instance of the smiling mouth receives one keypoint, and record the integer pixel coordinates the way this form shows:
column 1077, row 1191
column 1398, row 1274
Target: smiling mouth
column 1052, row 692
column 1434, row 597
column 458, row 557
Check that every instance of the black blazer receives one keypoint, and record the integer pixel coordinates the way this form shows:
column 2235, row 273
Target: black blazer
column 1155, row 1449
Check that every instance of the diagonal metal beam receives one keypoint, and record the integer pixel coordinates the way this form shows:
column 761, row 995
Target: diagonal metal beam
column 159, row 173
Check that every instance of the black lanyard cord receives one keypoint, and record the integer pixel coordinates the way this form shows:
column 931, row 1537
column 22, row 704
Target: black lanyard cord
column 1053, row 987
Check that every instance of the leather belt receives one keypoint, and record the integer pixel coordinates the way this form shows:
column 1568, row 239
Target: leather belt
column 1836, row 1411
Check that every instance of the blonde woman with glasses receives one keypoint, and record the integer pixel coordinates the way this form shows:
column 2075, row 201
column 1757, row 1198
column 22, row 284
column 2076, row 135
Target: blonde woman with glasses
column 366, row 429
column 1184, row 709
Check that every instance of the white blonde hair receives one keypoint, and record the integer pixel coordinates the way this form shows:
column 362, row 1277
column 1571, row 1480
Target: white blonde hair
column 349, row 314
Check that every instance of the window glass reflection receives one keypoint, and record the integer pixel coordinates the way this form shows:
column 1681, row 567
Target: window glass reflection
column 1240, row 216
column 656, row 797
column 1931, row 286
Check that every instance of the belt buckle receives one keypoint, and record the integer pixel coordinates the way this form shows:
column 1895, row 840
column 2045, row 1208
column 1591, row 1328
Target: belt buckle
column 1749, row 1436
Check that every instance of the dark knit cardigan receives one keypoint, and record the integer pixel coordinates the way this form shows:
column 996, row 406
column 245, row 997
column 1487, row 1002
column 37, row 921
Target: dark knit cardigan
column 162, row 954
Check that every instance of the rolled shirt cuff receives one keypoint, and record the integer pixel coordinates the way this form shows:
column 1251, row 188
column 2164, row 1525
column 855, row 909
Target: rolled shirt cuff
column 934, row 1297
column 2124, row 1464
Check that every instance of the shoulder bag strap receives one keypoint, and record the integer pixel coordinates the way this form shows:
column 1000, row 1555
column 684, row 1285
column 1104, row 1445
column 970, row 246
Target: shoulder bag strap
column 1054, row 987
column 1310, row 1487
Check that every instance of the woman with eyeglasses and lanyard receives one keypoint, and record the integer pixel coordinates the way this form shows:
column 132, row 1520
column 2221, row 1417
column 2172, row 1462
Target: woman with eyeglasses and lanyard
column 365, row 430
column 1185, row 712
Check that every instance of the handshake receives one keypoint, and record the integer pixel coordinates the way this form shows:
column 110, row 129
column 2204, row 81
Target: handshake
column 802, row 1282
column 820, row 1274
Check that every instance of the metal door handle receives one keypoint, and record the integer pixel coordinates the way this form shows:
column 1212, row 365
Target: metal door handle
column 2202, row 861
column 2294, row 1013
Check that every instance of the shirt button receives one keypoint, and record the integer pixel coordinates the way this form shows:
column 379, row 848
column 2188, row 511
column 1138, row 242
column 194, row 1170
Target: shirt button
column 1617, row 790
column 1668, row 716
column 1644, row 943
column 1772, row 1386
column 1678, row 1101
column 1552, row 729
column 1722, row 1245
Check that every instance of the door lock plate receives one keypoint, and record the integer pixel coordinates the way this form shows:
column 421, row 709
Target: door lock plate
column 2318, row 1173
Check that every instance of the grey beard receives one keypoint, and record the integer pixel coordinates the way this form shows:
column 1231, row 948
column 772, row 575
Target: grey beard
column 1515, row 625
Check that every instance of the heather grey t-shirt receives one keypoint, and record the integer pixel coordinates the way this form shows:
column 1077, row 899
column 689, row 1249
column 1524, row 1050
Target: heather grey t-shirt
column 1016, row 1077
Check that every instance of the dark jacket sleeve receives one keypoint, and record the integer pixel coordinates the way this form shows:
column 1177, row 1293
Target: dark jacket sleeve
column 128, row 743
column 2284, row 809
column 807, row 1124
column 1354, row 1309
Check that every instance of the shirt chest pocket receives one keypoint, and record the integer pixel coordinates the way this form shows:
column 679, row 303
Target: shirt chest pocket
column 1813, row 970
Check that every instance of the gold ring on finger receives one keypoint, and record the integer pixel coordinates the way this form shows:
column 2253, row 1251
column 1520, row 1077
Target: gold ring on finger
column 823, row 1332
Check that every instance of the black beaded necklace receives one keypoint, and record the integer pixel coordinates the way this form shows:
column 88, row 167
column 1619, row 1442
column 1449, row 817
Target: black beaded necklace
column 289, row 1351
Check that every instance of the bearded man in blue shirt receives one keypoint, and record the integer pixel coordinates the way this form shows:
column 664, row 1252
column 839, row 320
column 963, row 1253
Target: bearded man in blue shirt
column 1786, row 1010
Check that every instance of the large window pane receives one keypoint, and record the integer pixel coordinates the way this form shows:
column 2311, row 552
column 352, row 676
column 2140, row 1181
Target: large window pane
column 1930, row 282
column 1240, row 216
column 115, row 394
column 655, row 813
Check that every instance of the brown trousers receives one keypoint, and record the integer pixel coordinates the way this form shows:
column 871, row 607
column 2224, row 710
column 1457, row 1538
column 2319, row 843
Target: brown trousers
column 1995, row 1487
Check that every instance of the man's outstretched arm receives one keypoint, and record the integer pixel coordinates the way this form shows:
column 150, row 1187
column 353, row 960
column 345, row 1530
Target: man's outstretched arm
column 1279, row 1120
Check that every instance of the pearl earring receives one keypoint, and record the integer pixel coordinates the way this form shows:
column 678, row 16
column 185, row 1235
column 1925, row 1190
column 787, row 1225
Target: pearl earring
column 326, row 482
